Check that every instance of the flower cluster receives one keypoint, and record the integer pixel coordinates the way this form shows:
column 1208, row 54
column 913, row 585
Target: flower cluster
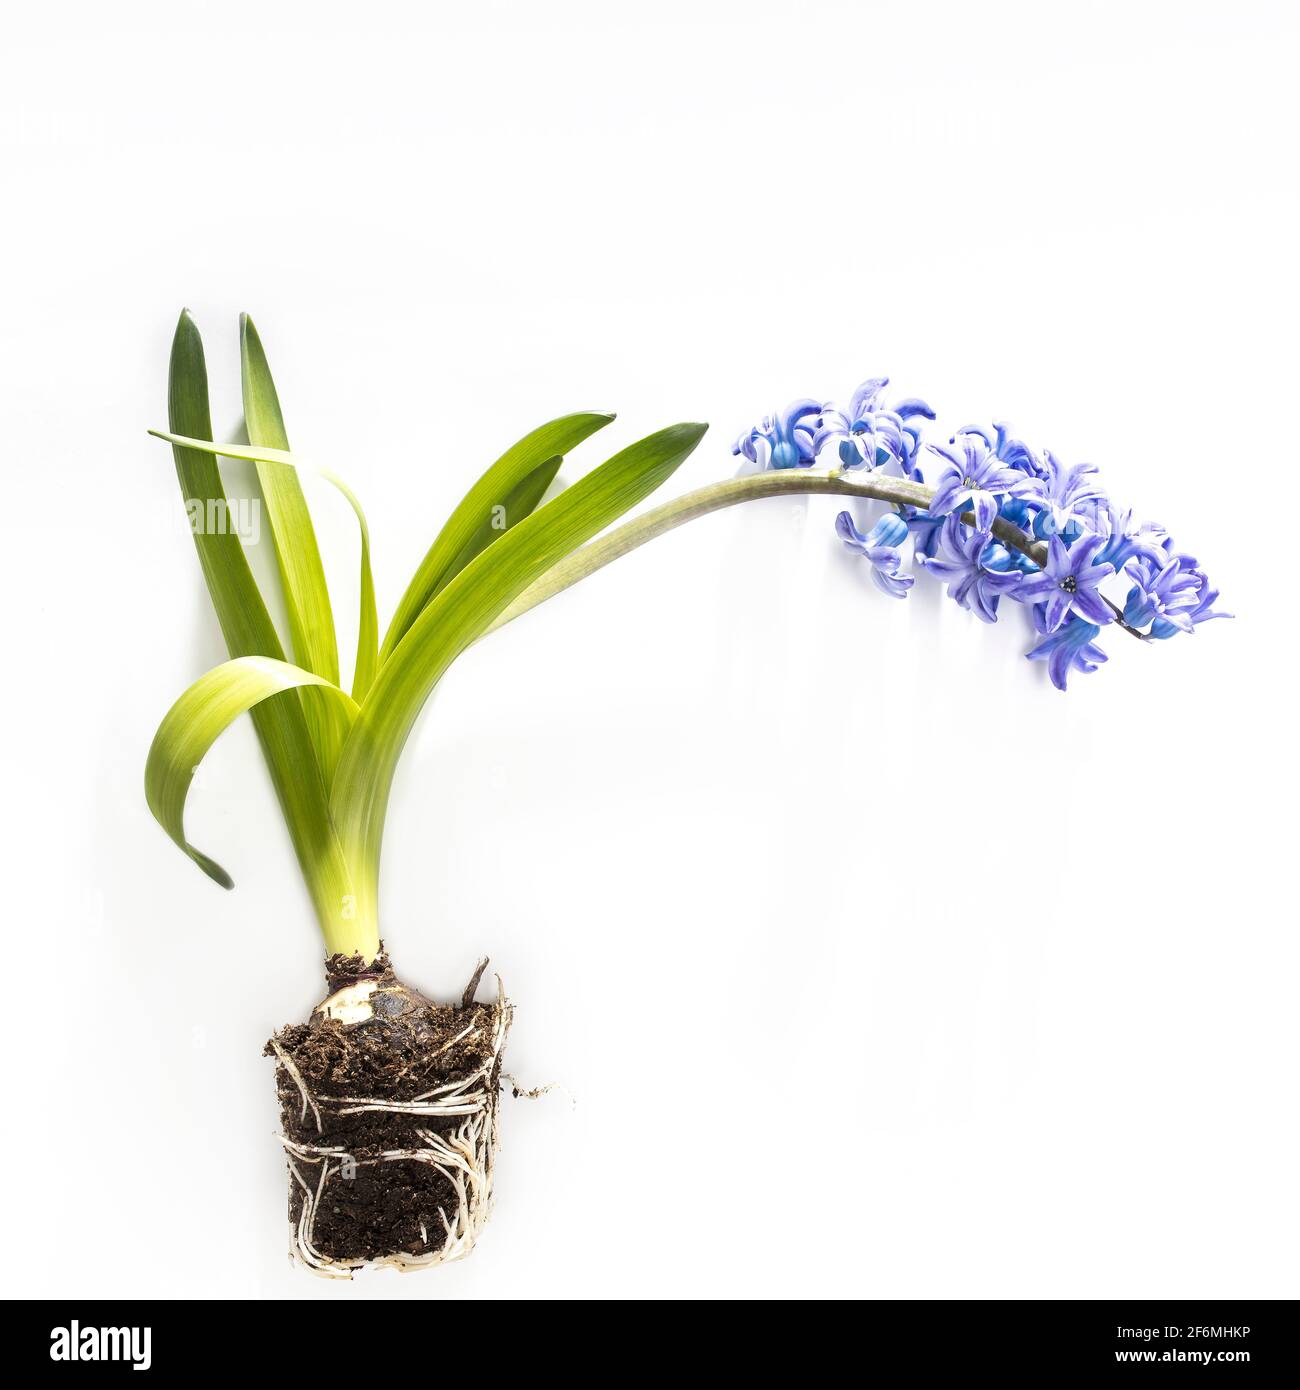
column 1004, row 521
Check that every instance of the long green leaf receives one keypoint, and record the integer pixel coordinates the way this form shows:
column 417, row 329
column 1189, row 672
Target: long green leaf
column 519, row 502
column 367, row 662
column 195, row 721
column 306, row 597
column 368, row 624
column 248, row 631
column 459, row 614
column 493, row 496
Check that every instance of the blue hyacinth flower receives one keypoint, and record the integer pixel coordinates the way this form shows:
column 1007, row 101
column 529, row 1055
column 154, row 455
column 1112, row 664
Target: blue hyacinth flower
column 871, row 434
column 880, row 545
column 1165, row 591
column 1125, row 536
column 1068, row 582
column 784, row 440
column 972, row 476
column 1015, row 453
column 1063, row 496
column 976, row 571
column 1069, row 648
column 925, row 529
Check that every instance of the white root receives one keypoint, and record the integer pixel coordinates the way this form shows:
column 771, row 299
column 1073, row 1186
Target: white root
column 469, row 1032
column 449, row 1089
column 526, row 1092
column 287, row 1062
column 465, row 1157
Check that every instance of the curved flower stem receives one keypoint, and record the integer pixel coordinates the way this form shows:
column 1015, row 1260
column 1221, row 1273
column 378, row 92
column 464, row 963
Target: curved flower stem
column 774, row 483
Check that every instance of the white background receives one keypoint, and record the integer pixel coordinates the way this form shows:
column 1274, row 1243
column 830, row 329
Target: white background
column 865, row 962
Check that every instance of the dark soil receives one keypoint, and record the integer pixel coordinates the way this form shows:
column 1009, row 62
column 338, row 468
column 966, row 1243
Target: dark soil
column 395, row 1206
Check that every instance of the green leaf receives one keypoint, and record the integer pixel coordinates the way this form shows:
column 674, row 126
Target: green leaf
column 250, row 453
column 307, row 601
column 193, row 724
column 368, row 624
column 367, row 662
column 459, row 614
column 248, row 631
column 519, row 502
column 495, row 495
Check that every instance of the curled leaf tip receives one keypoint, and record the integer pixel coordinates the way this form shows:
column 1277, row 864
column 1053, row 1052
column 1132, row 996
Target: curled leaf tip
column 210, row 867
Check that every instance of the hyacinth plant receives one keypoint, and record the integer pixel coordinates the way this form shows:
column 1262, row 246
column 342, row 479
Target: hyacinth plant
column 389, row 1101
